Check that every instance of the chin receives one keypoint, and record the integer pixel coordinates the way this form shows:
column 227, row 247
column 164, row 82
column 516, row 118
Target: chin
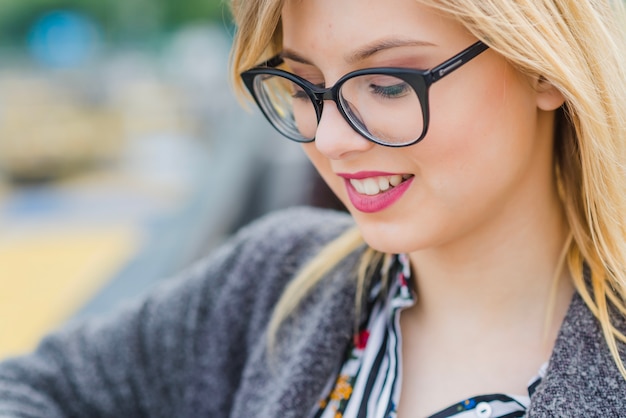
column 391, row 238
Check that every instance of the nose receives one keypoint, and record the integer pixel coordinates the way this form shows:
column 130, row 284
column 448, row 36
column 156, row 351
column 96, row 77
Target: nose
column 335, row 138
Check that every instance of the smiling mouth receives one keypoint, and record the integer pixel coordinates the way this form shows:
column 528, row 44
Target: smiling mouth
column 372, row 186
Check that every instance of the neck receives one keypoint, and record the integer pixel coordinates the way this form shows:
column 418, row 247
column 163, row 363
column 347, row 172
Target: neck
column 498, row 276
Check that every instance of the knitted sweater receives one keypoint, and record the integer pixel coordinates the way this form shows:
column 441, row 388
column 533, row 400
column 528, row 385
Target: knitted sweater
column 195, row 347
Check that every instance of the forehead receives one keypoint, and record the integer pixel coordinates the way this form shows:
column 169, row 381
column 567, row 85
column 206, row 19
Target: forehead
column 335, row 28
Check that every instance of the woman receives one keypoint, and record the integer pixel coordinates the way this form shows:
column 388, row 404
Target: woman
column 478, row 146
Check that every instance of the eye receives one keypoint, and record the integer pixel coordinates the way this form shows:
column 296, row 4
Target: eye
column 299, row 94
column 390, row 88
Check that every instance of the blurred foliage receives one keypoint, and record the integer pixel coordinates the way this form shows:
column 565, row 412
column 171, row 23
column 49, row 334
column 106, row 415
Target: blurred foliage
column 120, row 20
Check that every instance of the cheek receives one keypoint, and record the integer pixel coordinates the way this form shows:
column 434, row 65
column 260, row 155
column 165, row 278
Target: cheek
column 479, row 132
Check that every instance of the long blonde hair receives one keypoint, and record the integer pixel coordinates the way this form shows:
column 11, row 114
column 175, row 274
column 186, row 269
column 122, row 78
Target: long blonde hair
column 579, row 47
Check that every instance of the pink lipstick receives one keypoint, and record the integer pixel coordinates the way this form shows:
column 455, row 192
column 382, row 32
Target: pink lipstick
column 372, row 192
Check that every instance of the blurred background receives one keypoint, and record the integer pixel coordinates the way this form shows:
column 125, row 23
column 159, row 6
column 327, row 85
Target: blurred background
column 124, row 155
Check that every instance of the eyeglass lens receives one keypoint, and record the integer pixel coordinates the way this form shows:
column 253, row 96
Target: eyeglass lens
column 382, row 107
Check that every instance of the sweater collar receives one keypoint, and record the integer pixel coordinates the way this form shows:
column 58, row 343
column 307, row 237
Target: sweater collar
column 582, row 378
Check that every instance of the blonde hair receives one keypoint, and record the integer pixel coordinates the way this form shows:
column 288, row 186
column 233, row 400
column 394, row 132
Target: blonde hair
column 579, row 47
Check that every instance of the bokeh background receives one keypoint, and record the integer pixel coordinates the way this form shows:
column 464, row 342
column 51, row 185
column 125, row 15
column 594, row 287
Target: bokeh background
column 124, row 155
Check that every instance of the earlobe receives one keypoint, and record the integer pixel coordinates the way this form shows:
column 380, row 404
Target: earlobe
column 548, row 96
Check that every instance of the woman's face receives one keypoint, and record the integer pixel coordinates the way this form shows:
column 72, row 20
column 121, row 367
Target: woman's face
column 487, row 157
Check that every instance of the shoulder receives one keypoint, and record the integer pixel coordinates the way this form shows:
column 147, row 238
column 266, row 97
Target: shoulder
column 245, row 280
column 312, row 340
column 247, row 275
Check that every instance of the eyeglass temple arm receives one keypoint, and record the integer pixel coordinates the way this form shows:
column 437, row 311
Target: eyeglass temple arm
column 457, row 61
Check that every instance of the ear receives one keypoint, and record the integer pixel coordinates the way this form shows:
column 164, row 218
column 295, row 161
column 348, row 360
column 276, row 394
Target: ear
column 548, row 97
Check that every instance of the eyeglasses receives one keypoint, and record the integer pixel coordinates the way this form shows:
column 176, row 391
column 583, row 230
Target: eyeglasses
column 388, row 106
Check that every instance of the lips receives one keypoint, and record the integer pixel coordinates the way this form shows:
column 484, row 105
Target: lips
column 372, row 192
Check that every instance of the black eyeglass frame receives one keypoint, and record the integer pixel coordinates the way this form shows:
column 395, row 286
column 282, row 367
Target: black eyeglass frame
column 419, row 80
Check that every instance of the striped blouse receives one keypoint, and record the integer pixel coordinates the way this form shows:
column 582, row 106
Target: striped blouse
column 368, row 383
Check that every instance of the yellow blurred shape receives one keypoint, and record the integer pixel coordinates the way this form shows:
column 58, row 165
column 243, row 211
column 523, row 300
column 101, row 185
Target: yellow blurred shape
column 47, row 274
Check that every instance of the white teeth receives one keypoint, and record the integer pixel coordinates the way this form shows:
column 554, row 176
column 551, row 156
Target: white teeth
column 395, row 180
column 371, row 187
column 383, row 183
column 358, row 186
column 375, row 185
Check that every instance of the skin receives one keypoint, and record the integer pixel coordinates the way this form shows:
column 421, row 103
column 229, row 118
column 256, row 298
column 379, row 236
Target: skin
column 482, row 222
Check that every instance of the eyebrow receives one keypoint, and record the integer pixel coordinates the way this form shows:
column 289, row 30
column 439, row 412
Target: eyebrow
column 294, row 56
column 363, row 52
column 381, row 45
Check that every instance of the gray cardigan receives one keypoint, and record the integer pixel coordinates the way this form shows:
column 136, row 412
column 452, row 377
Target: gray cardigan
column 195, row 347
